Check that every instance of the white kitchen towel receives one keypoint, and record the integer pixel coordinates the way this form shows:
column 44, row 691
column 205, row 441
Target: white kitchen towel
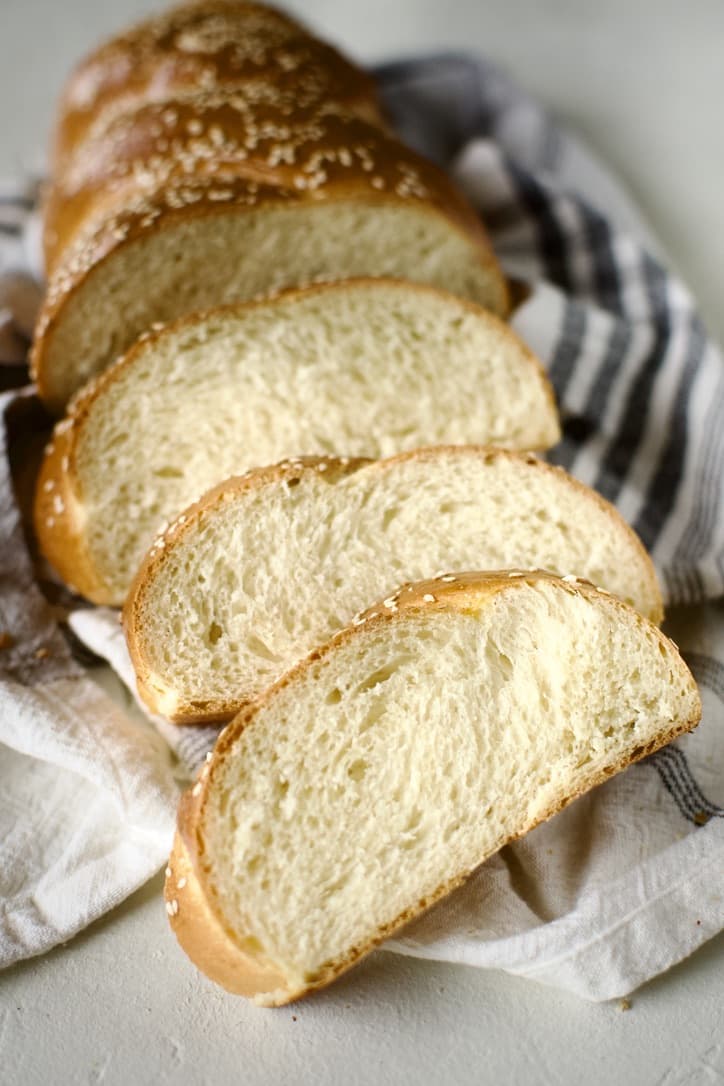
column 87, row 795
column 630, row 879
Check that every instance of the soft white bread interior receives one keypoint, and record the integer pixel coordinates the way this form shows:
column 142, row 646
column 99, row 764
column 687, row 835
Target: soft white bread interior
column 269, row 566
column 369, row 367
column 375, row 776
column 212, row 243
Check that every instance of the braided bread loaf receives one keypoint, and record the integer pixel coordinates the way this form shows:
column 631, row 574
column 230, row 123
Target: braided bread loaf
column 176, row 190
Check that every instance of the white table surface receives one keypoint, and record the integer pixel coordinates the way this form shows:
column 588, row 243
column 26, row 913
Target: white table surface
column 644, row 83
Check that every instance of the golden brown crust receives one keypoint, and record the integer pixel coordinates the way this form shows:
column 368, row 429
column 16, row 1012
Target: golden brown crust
column 465, row 592
column 161, row 700
column 214, row 44
column 59, row 518
column 201, row 933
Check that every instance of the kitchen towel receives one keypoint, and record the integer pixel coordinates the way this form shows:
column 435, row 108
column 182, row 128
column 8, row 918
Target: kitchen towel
column 630, row 879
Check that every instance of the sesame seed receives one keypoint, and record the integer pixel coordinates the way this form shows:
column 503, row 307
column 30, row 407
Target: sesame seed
column 448, row 578
column 196, row 790
column 181, row 883
column 570, row 578
column 358, row 619
column 168, row 872
column 48, row 485
column 428, row 597
column 172, row 907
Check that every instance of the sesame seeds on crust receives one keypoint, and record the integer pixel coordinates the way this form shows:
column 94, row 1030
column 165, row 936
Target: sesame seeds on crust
column 206, row 45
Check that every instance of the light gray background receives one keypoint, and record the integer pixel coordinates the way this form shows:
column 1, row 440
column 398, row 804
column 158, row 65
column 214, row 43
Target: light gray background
column 643, row 83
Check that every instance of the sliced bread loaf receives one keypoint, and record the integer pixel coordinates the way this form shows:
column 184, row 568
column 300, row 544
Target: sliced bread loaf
column 189, row 246
column 269, row 566
column 381, row 771
column 370, row 367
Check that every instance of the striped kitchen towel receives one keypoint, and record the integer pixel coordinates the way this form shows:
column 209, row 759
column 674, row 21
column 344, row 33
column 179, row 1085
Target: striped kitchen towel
column 630, row 878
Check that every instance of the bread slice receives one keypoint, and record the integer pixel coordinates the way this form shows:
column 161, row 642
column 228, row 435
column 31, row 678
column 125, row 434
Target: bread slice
column 208, row 242
column 381, row 771
column 219, row 135
column 225, row 45
column 269, row 566
column 369, row 367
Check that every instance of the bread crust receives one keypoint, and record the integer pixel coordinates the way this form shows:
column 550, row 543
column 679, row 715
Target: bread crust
column 59, row 517
column 213, row 44
column 170, row 206
column 468, row 591
column 238, row 971
column 160, row 699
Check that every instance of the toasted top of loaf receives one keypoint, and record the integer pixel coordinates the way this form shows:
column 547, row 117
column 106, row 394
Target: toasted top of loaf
column 217, row 240
column 207, row 45
column 370, row 367
column 382, row 770
column 268, row 566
